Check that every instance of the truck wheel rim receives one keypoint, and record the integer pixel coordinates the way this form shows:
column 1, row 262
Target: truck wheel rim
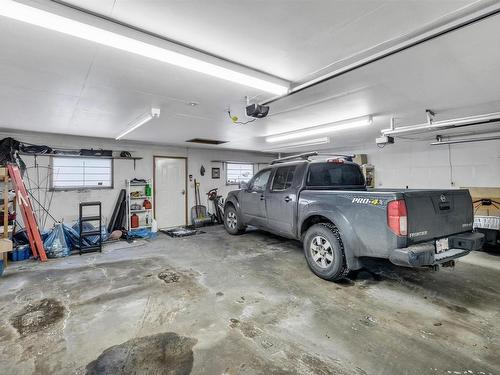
column 321, row 251
column 231, row 220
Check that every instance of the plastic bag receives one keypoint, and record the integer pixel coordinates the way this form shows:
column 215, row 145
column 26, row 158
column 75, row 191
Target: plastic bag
column 21, row 236
column 73, row 238
column 141, row 233
column 55, row 244
column 87, row 227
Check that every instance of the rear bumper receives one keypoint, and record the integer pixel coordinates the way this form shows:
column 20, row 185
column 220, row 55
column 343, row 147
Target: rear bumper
column 424, row 254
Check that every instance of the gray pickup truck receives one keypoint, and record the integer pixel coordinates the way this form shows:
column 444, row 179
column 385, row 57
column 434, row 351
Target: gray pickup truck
column 326, row 205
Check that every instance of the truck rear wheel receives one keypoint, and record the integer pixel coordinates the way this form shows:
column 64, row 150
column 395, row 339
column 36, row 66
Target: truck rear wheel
column 324, row 252
column 231, row 221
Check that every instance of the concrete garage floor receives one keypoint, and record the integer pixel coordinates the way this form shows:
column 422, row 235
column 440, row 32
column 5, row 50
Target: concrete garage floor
column 244, row 305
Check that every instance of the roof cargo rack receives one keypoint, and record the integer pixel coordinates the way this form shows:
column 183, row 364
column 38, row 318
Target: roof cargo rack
column 307, row 155
column 304, row 156
column 348, row 157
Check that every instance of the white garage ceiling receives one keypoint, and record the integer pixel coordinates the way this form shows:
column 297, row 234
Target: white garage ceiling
column 60, row 84
column 294, row 40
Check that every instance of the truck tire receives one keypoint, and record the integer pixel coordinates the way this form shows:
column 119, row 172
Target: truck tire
column 324, row 252
column 231, row 221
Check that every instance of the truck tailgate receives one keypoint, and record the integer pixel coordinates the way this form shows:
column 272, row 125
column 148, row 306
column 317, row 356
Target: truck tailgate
column 437, row 213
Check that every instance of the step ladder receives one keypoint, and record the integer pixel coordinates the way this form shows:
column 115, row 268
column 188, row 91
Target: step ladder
column 29, row 219
column 83, row 234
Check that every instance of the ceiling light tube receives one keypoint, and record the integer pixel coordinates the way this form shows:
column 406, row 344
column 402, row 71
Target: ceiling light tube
column 465, row 140
column 444, row 124
column 51, row 21
column 141, row 120
column 310, row 142
column 321, row 129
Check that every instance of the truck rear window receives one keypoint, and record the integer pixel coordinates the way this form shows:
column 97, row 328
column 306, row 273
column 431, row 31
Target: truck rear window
column 330, row 174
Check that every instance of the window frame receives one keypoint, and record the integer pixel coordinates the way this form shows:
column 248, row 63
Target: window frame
column 239, row 182
column 338, row 187
column 250, row 183
column 80, row 188
column 274, row 176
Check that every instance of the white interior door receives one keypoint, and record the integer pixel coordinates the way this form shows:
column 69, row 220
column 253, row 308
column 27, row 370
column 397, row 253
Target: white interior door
column 170, row 191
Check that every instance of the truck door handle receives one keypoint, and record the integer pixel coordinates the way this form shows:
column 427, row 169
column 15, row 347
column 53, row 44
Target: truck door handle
column 288, row 199
column 262, row 197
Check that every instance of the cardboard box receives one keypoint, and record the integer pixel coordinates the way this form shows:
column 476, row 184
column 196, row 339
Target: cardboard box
column 5, row 245
column 360, row 159
column 482, row 193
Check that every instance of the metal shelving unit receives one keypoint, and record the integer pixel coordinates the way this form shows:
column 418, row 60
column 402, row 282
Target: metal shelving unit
column 146, row 215
column 94, row 218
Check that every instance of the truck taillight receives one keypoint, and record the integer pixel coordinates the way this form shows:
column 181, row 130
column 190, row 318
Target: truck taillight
column 397, row 217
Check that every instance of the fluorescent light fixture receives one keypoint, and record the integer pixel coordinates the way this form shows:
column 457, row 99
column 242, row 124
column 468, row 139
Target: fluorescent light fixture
column 321, row 129
column 309, row 142
column 465, row 140
column 141, row 120
column 47, row 20
column 443, row 125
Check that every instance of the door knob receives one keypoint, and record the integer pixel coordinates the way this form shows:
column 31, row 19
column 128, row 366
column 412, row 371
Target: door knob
column 288, row 199
column 183, row 192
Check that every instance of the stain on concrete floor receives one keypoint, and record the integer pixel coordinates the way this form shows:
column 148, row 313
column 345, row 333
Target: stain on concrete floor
column 169, row 277
column 161, row 354
column 37, row 316
column 246, row 328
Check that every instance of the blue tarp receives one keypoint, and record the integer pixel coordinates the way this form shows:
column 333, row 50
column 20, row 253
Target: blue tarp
column 72, row 237
column 62, row 239
column 21, row 238
column 141, row 233
column 87, row 227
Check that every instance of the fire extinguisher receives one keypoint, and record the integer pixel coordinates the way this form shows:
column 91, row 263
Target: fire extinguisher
column 134, row 221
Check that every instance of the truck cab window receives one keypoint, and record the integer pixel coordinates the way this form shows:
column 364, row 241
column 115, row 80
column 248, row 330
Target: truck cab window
column 283, row 178
column 330, row 174
column 259, row 182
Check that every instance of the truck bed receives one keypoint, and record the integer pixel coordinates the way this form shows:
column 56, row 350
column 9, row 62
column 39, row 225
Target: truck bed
column 431, row 214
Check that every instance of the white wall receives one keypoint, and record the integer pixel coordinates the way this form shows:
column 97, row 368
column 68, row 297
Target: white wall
column 65, row 203
column 419, row 165
column 412, row 164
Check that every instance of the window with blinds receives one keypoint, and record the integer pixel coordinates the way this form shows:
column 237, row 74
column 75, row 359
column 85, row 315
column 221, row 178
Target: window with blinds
column 238, row 172
column 81, row 173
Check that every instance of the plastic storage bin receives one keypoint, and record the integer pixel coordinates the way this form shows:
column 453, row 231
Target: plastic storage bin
column 21, row 253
